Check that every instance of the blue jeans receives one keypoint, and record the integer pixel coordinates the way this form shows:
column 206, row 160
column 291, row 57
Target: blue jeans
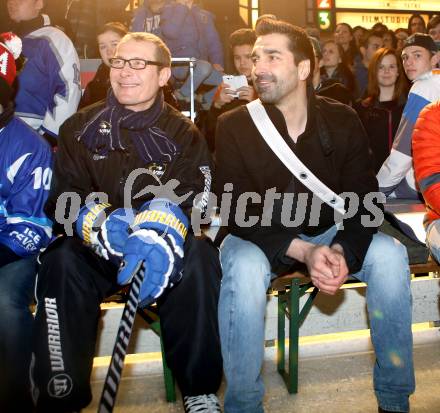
column 242, row 304
column 204, row 73
column 17, row 281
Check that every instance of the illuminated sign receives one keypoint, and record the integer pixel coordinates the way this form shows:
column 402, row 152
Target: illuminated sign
column 324, row 4
column 389, row 4
column 392, row 21
column 324, row 20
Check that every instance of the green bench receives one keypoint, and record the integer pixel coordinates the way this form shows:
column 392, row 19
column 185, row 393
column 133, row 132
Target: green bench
column 289, row 289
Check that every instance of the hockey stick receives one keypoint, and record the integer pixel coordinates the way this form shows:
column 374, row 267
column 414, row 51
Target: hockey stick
column 114, row 373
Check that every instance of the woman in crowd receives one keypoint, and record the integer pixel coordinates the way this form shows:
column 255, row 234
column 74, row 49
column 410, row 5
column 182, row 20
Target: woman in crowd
column 402, row 35
column 416, row 24
column 344, row 37
column 358, row 33
column 381, row 111
column 389, row 40
column 108, row 38
column 433, row 28
column 333, row 69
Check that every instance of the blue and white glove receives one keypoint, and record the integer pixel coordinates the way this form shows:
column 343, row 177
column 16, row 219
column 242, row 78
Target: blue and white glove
column 159, row 232
column 105, row 229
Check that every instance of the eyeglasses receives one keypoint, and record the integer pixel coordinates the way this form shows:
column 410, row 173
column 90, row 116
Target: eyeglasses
column 136, row 64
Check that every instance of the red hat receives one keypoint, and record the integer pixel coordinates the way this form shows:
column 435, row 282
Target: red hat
column 10, row 49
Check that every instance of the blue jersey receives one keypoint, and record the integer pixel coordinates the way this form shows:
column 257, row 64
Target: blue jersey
column 25, row 175
column 49, row 84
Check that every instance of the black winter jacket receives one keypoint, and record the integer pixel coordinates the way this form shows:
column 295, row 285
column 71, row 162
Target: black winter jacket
column 380, row 120
column 78, row 170
column 333, row 146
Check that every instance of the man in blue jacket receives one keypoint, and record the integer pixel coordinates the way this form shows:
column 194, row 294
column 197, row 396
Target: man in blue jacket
column 189, row 31
column 25, row 175
column 147, row 17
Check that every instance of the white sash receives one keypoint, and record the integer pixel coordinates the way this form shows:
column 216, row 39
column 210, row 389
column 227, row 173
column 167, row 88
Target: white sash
column 275, row 141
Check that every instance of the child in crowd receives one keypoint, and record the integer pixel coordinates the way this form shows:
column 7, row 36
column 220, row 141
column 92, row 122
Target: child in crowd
column 108, row 38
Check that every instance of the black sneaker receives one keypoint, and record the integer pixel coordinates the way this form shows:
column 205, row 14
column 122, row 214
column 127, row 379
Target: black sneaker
column 205, row 403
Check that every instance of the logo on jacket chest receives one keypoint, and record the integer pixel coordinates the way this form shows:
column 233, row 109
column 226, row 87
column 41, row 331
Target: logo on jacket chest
column 105, row 128
column 157, row 169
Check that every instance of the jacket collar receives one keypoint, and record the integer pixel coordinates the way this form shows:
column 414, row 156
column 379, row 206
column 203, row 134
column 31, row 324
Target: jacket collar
column 22, row 29
column 280, row 123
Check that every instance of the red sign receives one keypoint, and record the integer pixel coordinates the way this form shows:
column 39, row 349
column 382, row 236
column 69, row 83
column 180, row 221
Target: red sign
column 324, row 4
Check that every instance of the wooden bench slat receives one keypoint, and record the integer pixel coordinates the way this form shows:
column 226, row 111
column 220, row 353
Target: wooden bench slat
column 280, row 283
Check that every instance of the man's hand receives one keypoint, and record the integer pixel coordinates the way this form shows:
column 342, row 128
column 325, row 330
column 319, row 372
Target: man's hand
column 342, row 263
column 222, row 97
column 247, row 93
column 104, row 229
column 321, row 262
column 159, row 232
column 327, row 267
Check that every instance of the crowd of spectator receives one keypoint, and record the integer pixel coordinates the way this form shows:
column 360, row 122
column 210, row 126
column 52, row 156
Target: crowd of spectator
column 386, row 76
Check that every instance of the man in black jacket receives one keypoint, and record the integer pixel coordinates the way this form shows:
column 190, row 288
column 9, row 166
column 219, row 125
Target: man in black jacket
column 122, row 149
column 275, row 224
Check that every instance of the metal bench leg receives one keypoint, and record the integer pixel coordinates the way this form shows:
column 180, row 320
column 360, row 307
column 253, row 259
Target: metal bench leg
column 288, row 306
column 281, row 342
column 293, row 302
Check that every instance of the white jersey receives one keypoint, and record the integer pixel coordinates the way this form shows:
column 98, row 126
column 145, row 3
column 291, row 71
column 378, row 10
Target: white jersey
column 49, row 84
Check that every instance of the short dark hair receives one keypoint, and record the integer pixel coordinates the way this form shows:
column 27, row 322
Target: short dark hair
column 379, row 27
column 241, row 37
column 367, row 36
column 116, row 27
column 264, row 17
column 298, row 41
column 356, row 28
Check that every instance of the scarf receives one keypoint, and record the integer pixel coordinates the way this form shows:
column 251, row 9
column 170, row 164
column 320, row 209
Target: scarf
column 103, row 133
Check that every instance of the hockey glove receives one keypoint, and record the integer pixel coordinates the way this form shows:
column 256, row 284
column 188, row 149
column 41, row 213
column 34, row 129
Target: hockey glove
column 105, row 229
column 159, row 232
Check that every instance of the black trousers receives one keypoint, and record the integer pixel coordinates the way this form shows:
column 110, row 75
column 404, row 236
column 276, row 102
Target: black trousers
column 71, row 284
